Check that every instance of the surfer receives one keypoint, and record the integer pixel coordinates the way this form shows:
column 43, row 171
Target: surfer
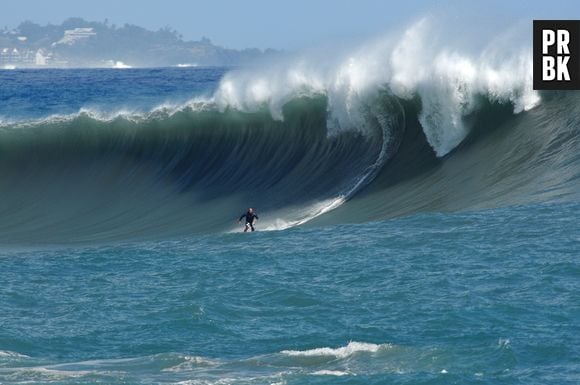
column 250, row 218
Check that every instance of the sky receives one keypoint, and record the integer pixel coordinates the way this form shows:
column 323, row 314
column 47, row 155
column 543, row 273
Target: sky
column 287, row 25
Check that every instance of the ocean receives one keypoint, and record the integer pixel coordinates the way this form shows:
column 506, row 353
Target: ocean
column 411, row 231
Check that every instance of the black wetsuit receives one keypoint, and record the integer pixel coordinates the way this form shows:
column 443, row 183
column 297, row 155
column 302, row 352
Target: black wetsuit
column 249, row 220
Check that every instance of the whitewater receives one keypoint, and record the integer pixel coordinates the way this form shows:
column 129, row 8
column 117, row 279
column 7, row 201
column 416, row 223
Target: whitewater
column 418, row 206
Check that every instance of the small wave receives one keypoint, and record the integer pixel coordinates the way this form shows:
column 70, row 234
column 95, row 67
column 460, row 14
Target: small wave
column 187, row 65
column 120, row 65
column 336, row 373
column 9, row 354
column 342, row 352
column 504, row 343
column 191, row 362
column 46, row 373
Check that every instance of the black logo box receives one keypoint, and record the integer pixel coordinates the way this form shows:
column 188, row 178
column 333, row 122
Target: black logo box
column 573, row 27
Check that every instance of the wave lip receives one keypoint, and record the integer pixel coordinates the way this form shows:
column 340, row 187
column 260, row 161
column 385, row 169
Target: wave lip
column 424, row 60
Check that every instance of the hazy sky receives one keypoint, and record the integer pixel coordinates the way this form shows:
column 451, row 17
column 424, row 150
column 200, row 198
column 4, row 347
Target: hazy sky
column 290, row 24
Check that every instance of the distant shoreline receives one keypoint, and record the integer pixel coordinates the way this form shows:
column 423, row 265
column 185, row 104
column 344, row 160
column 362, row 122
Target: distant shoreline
column 78, row 43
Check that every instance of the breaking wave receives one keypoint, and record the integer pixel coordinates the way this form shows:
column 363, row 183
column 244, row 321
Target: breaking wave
column 401, row 125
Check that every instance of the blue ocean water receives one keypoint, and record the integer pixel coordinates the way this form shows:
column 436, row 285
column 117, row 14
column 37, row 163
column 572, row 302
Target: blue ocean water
column 121, row 261
column 27, row 94
column 481, row 297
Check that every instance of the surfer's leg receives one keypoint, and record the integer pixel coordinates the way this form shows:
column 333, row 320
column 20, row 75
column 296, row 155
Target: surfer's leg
column 252, row 226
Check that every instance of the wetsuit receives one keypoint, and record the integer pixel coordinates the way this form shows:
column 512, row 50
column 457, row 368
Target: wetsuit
column 249, row 220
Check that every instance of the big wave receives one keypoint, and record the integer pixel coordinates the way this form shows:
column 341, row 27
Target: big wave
column 400, row 125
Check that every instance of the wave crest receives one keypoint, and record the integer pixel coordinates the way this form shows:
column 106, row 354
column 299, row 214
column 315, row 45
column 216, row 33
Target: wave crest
column 350, row 349
column 413, row 62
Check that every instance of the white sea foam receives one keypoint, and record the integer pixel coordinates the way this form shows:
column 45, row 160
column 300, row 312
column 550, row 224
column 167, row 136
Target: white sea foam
column 120, row 65
column 48, row 373
column 9, row 354
column 503, row 342
column 413, row 62
column 342, row 352
column 301, row 216
column 233, row 380
column 186, row 65
column 336, row 373
column 191, row 362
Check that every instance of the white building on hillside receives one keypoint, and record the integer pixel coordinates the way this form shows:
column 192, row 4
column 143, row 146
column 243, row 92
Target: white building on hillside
column 71, row 36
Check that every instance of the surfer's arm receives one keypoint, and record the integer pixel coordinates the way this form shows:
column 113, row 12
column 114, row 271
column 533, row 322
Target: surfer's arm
column 243, row 215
